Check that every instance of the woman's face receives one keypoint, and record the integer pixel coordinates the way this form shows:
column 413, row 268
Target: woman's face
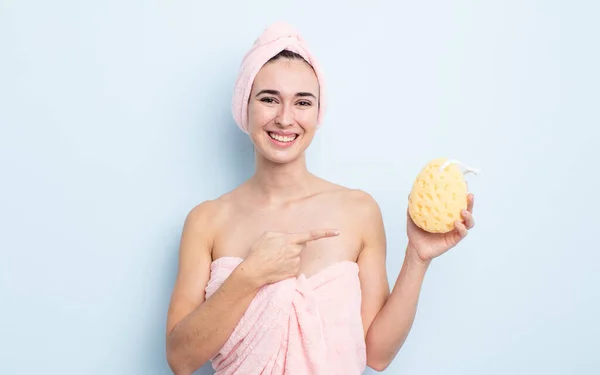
column 283, row 109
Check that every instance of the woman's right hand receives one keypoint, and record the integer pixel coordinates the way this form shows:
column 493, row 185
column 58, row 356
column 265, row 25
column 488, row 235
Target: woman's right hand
column 276, row 255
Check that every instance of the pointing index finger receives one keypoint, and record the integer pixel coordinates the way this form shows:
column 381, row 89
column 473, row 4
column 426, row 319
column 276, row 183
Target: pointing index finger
column 314, row 235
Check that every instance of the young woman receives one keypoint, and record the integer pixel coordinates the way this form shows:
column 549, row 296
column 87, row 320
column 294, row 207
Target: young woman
column 286, row 274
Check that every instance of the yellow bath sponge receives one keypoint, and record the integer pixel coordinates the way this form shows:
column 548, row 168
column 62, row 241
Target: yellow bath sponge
column 439, row 194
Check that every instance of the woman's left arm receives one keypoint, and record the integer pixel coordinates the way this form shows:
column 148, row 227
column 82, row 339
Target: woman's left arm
column 388, row 317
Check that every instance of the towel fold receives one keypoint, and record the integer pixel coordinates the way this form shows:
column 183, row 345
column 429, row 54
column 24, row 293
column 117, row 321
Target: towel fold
column 298, row 326
column 276, row 38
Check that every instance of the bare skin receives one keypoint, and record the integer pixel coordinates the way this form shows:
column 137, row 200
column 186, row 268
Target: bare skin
column 285, row 221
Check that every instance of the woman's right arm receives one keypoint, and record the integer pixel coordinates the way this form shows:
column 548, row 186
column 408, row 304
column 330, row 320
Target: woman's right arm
column 198, row 328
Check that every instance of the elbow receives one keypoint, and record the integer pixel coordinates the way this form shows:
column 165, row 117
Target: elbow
column 177, row 366
column 180, row 371
column 184, row 358
column 378, row 360
column 176, row 361
column 380, row 355
column 379, row 365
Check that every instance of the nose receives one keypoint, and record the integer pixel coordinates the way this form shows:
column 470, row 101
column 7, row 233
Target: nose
column 285, row 116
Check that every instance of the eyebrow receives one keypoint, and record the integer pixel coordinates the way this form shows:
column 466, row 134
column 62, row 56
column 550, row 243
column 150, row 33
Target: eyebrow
column 275, row 92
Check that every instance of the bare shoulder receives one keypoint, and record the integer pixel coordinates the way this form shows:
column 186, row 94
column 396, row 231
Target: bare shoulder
column 363, row 202
column 202, row 212
column 367, row 213
column 359, row 202
column 208, row 215
column 358, row 206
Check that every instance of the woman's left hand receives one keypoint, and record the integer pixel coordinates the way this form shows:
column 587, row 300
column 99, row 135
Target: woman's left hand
column 430, row 245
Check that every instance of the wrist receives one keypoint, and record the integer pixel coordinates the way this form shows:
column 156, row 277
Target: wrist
column 248, row 275
column 412, row 256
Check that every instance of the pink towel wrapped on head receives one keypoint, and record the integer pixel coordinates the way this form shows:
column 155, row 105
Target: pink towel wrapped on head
column 276, row 38
column 298, row 326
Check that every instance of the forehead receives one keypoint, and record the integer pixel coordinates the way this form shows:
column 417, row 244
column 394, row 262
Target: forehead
column 287, row 76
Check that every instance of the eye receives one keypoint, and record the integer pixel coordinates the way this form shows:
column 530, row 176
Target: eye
column 268, row 100
column 305, row 103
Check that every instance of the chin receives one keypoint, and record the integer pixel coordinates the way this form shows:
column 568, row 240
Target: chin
column 279, row 158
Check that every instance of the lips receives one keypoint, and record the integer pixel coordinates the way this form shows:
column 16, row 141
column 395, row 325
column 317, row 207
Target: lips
column 283, row 137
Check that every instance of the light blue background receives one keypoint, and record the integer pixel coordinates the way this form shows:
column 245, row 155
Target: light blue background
column 115, row 122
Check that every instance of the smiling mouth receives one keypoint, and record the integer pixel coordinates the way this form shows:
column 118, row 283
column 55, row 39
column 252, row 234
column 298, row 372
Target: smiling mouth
column 283, row 138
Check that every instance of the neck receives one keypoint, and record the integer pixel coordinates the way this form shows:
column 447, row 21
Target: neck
column 277, row 184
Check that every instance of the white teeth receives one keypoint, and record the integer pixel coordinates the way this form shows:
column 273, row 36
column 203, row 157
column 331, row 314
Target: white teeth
column 282, row 138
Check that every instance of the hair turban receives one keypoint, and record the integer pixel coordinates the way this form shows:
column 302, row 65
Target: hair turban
column 276, row 38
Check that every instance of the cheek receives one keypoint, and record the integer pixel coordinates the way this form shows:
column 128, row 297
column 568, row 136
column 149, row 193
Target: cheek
column 259, row 116
column 308, row 119
column 257, row 120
